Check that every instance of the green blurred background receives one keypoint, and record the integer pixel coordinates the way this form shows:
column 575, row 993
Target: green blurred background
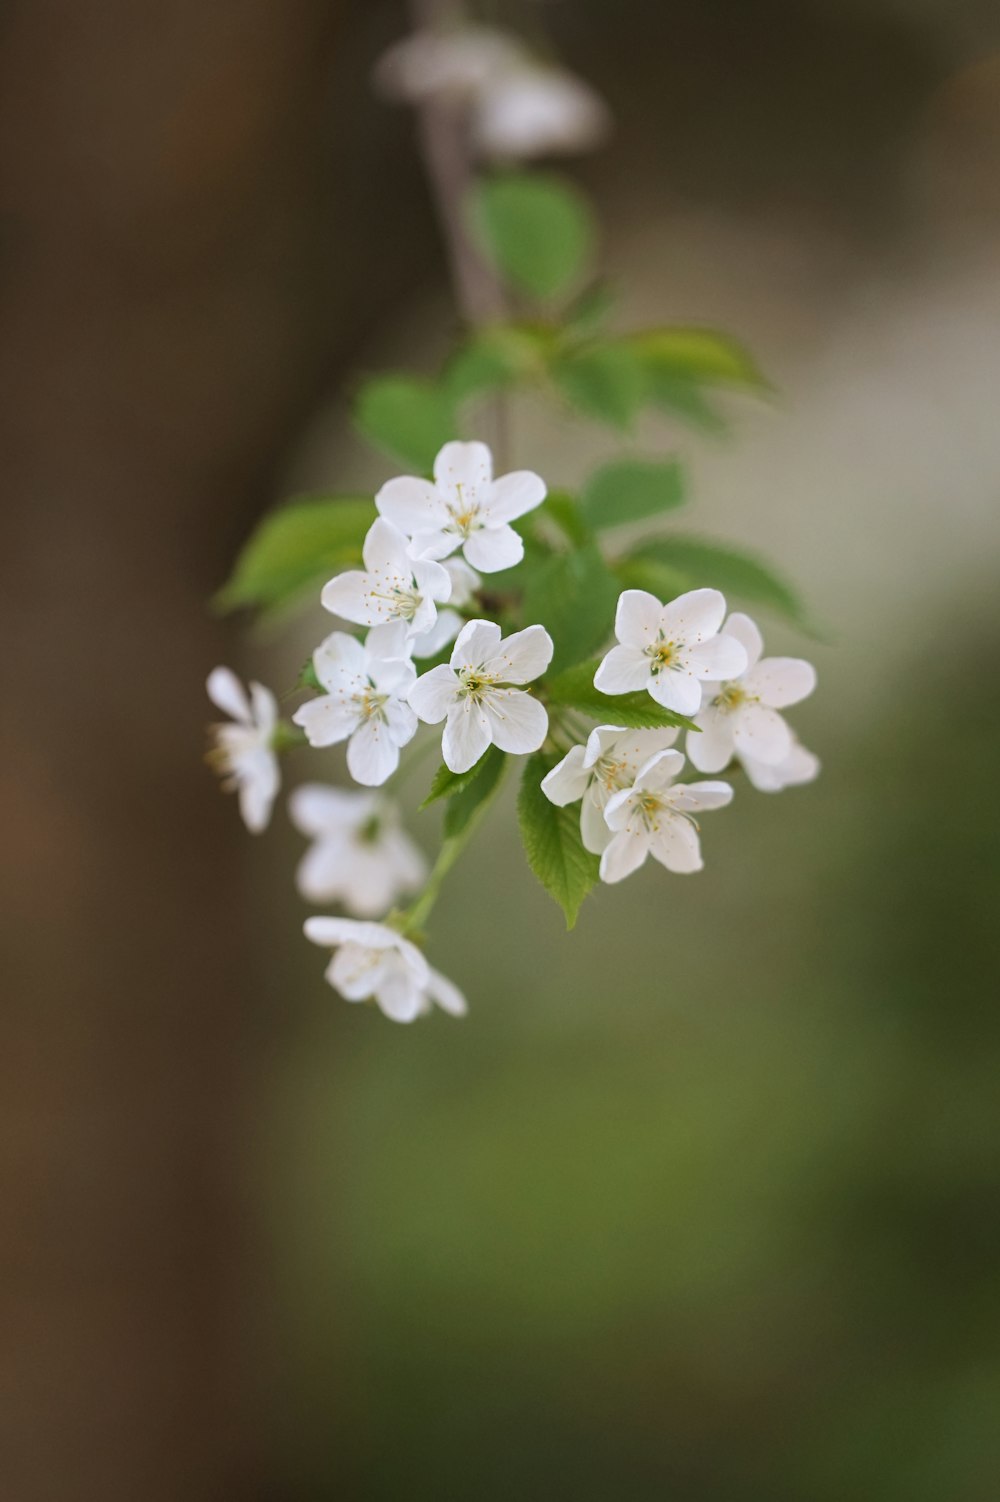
column 701, row 1201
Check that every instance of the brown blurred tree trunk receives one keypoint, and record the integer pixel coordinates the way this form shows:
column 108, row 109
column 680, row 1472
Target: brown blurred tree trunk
column 165, row 181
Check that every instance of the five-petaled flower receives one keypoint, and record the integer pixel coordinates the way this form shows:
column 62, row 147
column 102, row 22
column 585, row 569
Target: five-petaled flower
column 670, row 650
column 654, row 817
column 478, row 694
column 365, row 702
column 739, row 715
column 243, row 751
column 393, row 586
column 375, row 963
column 464, row 507
column 610, row 761
column 360, row 854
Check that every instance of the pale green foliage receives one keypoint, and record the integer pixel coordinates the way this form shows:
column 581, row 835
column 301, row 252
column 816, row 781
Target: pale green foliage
column 630, row 490
column 408, row 418
column 537, row 230
column 669, row 565
column 294, row 551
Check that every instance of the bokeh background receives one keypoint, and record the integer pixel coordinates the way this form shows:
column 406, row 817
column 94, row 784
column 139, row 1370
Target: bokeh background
column 701, row 1202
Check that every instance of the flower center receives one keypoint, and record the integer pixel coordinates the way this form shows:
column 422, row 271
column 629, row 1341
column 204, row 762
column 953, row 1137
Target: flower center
column 369, row 703
column 613, row 774
column 664, row 655
column 370, row 831
column 730, row 697
column 464, row 516
column 401, row 596
column 474, row 683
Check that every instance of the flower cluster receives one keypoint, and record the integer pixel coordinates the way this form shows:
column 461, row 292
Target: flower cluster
column 421, row 595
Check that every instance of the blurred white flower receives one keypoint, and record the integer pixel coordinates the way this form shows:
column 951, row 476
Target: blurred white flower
column 477, row 696
column 739, row 715
column 374, row 963
column 670, row 649
column 654, row 817
column 393, row 587
column 360, row 854
column 243, row 750
column 365, row 701
column 456, row 63
column 464, row 507
column 798, row 767
column 610, row 761
column 529, row 110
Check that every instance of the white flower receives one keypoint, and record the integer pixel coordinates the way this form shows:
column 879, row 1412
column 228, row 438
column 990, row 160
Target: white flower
column 464, row 507
column 360, row 855
column 365, row 701
column 530, row 110
column 476, row 696
column 798, row 767
column 464, row 580
column 394, row 586
column 456, row 63
column 610, row 761
column 243, row 751
column 739, row 715
column 374, row 963
column 654, row 818
column 670, row 649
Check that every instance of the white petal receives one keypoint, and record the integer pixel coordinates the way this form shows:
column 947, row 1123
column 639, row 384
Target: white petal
column 408, row 862
column 514, row 495
column 625, row 854
column 466, row 736
column 637, row 618
column 799, row 766
column 324, row 870
column 444, row 630
column 702, row 797
column 477, row 642
column 349, row 596
column 600, row 740
column 676, row 846
column 568, row 780
column 264, row 707
column 258, row 788
column 433, row 694
column 721, row 657
column 330, row 932
column 447, row 995
column 712, row 748
column 635, row 747
column 659, row 771
column 521, row 657
column 316, row 809
column 400, row 720
column 623, row 671
column 780, row 681
column 676, row 690
column 464, row 581
column 411, row 505
column 747, row 634
column 390, row 641
column 357, row 968
column 432, row 579
column 518, row 723
column 467, row 464
column 393, row 676
column 228, row 694
column 761, row 733
column 494, row 548
column 372, row 754
column 399, row 997
column 366, row 881
column 337, row 656
column 694, row 617
column 385, row 551
column 594, row 830
column 326, row 720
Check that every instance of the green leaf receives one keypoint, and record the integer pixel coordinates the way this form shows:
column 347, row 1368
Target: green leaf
column 574, row 688
column 495, row 359
column 695, row 563
column 697, row 354
column 552, row 842
column 536, row 229
column 464, row 801
column 573, row 595
column 629, row 490
column 587, row 312
column 447, row 783
column 685, row 399
column 410, row 419
column 605, row 381
column 296, row 548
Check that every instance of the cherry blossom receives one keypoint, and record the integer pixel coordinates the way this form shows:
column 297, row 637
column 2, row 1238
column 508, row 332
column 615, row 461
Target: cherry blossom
column 393, row 586
column 243, row 751
column 654, row 817
column 479, row 697
column 360, row 854
column 375, row 963
column 610, row 761
column 464, row 507
column 365, row 701
column 669, row 650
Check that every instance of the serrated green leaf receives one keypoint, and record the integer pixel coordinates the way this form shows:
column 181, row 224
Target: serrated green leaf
column 698, row 354
column 464, row 801
column 446, row 783
column 629, row 490
column 696, row 563
column 605, row 381
column 408, row 418
column 536, row 229
column 552, row 843
column 573, row 596
column 574, row 689
column 296, row 548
